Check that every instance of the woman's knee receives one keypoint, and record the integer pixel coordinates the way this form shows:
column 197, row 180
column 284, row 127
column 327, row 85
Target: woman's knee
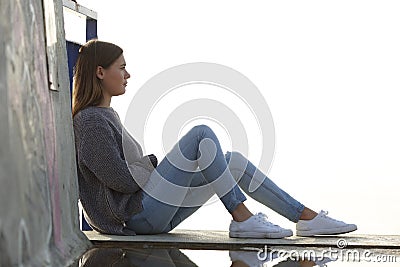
column 202, row 129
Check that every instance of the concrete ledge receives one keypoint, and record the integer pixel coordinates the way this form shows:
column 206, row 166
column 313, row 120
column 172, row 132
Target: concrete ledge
column 193, row 239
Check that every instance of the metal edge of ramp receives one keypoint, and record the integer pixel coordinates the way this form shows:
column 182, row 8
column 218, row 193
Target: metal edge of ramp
column 193, row 239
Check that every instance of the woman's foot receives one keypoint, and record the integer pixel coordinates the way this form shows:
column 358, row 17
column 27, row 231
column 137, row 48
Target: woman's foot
column 241, row 213
column 323, row 225
column 257, row 226
column 307, row 214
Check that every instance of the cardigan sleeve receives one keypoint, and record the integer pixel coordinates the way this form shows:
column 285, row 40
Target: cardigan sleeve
column 99, row 152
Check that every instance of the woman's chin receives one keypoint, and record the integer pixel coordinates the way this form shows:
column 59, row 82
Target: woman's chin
column 121, row 92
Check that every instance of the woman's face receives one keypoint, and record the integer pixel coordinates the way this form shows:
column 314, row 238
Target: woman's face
column 114, row 78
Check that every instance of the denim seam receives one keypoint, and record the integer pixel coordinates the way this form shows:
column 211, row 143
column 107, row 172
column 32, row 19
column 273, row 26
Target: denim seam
column 290, row 204
column 232, row 204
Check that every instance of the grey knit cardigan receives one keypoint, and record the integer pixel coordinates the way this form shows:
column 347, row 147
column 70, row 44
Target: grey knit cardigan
column 107, row 190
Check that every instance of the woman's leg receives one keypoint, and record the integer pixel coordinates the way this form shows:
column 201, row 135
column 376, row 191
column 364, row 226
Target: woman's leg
column 309, row 223
column 268, row 193
column 159, row 217
column 239, row 214
column 170, row 187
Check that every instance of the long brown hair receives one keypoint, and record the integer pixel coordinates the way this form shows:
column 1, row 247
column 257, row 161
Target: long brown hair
column 87, row 89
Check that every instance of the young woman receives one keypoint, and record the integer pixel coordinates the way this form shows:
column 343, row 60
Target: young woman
column 109, row 176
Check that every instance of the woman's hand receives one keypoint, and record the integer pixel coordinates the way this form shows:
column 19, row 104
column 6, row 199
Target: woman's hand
column 153, row 160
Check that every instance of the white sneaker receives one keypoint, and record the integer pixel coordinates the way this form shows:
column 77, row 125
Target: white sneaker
column 322, row 262
column 252, row 258
column 323, row 225
column 257, row 226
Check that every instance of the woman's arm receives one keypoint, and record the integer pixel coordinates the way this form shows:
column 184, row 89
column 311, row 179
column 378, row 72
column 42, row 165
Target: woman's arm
column 100, row 153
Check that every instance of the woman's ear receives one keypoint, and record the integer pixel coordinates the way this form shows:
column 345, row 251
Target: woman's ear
column 100, row 72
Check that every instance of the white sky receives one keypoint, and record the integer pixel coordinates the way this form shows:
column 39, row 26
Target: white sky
column 329, row 71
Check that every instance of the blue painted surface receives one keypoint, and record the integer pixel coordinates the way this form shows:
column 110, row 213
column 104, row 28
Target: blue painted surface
column 72, row 53
column 91, row 29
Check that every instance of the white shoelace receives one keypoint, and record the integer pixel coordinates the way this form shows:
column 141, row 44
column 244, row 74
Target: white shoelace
column 325, row 215
column 264, row 219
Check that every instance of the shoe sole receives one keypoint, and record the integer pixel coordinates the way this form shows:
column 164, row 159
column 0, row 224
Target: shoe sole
column 259, row 235
column 329, row 231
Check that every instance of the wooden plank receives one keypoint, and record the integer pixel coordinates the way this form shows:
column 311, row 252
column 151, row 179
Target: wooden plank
column 220, row 240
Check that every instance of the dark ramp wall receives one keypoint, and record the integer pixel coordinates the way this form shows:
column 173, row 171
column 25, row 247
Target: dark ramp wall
column 38, row 184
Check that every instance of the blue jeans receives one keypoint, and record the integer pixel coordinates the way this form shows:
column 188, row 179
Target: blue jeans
column 192, row 172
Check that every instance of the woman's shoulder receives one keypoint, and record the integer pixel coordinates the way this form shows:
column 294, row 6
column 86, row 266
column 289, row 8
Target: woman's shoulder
column 94, row 116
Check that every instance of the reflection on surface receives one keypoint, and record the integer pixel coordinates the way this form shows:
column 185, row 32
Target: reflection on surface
column 254, row 258
column 175, row 257
column 135, row 257
column 297, row 257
